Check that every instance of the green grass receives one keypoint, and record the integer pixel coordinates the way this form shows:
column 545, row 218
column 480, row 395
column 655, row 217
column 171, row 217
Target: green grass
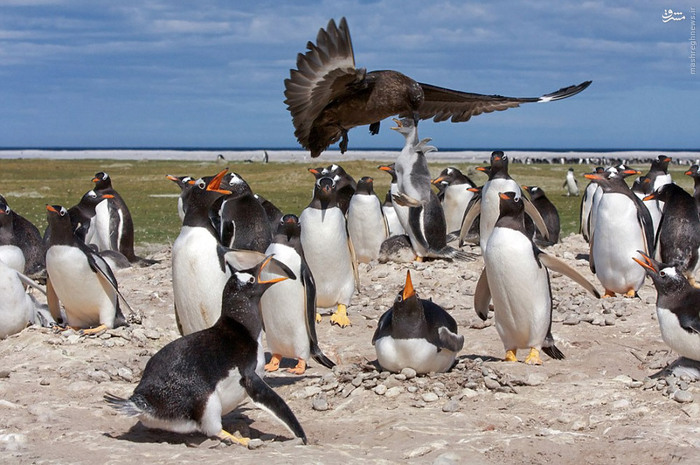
column 28, row 185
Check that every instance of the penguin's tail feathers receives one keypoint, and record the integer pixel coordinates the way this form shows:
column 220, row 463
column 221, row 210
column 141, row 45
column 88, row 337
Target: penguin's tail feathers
column 129, row 407
column 321, row 358
column 553, row 352
column 453, row 254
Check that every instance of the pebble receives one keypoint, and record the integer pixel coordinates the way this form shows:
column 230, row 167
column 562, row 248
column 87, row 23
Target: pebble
column 450, row 406
column 320, row 403
column 380, row 389
column 394, row 391
column 491, row 383
column 408, row 373
column 255, row 444
column 44, row 382
column 682, row 397
column 429, row 397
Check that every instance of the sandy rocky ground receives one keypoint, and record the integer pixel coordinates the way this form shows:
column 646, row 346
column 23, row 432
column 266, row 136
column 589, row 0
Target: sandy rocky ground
column 609, row 401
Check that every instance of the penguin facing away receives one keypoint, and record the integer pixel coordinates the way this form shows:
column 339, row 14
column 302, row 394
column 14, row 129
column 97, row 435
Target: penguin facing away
column 185, row 388
column 367, row 227
column 328, row 251
column 185, row 183
column 80, row 279
column 516, row 278
column 289, row 308
column 677, row 307
column 549, row 214
column 693, row 173
column 416, row 333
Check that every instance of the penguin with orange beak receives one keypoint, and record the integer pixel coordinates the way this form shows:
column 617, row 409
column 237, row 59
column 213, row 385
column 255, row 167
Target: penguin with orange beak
column 416, row 333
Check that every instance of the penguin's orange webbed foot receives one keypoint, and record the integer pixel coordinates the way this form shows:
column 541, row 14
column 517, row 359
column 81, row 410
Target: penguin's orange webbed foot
column 299, row 369
column 91, row 331
column 274, row 363
column 225, row 436
column 318, row 317
column 510, row 356
column 631, row 294
column 340, row 317
column 533, row 358
column 608, row 293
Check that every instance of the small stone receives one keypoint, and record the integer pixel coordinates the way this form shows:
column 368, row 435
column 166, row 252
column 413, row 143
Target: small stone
column 255, row 444
column 692, row 410
column 535, row 379
column 125, row 374
column 394, row 391
column 409, row 373
column 400, row 377
column 45, row 382
column 380, row 389
column 4, row 374
column 448, row 458
column 450, row 406
column 429, row 397
column 469, row 393
column 621, row 404
column 491, row 383
column 412, row 389
column 357, row 381
column 682, row 397
column 320, row 403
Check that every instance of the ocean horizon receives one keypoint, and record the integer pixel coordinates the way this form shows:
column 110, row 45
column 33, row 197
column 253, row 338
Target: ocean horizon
column 581, row 156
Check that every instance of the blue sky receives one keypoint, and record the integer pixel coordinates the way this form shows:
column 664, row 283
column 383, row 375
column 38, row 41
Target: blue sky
column 209, row 73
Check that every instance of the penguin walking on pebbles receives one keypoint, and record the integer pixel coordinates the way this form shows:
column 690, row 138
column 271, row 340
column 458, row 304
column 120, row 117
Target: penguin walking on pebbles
column 570, row 183
column 622, row 226
column 516, row 278
column 193, row 381
column 80, row 279
column 289, row 308
column 678, row 238
column 329, row 251
column 416, row 333
column 677, row 306
column 199, row 272
column 367, row 226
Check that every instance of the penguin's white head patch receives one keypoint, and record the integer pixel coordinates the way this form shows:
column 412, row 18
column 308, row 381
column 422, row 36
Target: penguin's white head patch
column 245, row 278
column 235, row 179
column 449, row 171
column 91, row 194
column 669, row 271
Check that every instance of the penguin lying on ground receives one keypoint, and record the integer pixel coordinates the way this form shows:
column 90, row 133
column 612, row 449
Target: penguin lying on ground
column 416, row 333
column 289, row 308
column 193, row 381
column 677, row 307
column 80, row 279
column 516, row 278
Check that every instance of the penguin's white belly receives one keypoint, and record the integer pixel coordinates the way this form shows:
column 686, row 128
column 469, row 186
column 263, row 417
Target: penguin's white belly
column 571, row 186
column 401, row 211
column 586, row 209
column 397, row 354
column 392, row 221
column 366, row 227
column 519, row 290
column 616, row 239
column 198, row 280
column 597, row 197
column 12, row 256
column 418, row 189
column 15, row 305
column 87, row 297
column 685, row 343
column 490, row 206
column 454, row 204
column 328, row 256
column 101, row 227
column 283, row 309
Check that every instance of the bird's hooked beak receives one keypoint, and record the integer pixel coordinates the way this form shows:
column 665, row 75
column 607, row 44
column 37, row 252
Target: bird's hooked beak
column 408, row 290
column 268, row 281
column 215, row 184
column 399, row 124
column 647, row 264
column 51, row 209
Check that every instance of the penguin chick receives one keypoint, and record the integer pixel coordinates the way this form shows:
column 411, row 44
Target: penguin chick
column 193, row 381
column 416, row 333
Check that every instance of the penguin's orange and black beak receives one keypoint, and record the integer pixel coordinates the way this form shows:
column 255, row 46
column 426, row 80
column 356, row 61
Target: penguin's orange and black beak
column 647, row 264
column 631, row 172
column 215, row 184
column 473, row 189
column 107, row 196
column 51, row 208
column 688, row 173
column 438, row 180
column 593, row 176
column 384, row 168
column 651, row 196
column 268, row 281
column 314, row 171
column 408, row 290
column 503, row 195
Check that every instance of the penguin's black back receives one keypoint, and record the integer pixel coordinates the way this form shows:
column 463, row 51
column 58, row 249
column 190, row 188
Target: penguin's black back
column 679, row 229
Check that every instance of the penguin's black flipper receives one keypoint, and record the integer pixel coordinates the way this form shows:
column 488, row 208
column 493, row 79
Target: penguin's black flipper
column 531, row 210
column 310, row 306
column 266, row 399
column 559, row 266
column 27, row 281
column 383, row 327
column 482, row 296
column 101, row 267
column 552, row 350
column 52, row 301
column 449, row 340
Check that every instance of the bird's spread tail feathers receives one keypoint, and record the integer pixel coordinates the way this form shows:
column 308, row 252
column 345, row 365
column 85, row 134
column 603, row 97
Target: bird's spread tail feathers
column 128, row 407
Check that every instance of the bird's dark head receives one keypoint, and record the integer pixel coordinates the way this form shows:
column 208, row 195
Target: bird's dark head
column 693, row 171
column 535, row 192
column 253, row 273
column 510, row 204
column 667, row 279
column 407, row 297
column 365, row 185
column 236, row 184
column 289, row 226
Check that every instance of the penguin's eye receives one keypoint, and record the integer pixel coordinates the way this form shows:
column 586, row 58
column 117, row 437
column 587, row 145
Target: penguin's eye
column 662, row 274
column 201, row 184
column 399, row 297
column 63, row 211
column 251, row 280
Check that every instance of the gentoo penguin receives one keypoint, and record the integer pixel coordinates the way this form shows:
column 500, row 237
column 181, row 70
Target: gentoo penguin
column 10, row 253
column 642, row 187
column 24, row 235
column 693, row 173
column 622, row 171
column 549, row 214
column 185, row 183
column 82, row 217
column 289, row 308
column 199, row 272
column 488, row 206
column 456, row 196
column 17, row 307
column 678, row 238
column 274, row 214
column 516, row 278
column 416, row 333
column 658, row 172
column 80, row 279
column 392, row 218
column 367, row 226
column 243, row 222
column 189, row 384
column 622, row 227
column 677, row 307
column 570, row 183
column 425, row 224
column 401, row 210
column 345, row 184
column 114, row 211
column 585, row 208
column 327, row 95
column 328, row 251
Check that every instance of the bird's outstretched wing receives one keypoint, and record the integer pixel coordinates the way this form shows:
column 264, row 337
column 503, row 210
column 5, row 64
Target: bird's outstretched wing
column 323, row 73
column 442, row 104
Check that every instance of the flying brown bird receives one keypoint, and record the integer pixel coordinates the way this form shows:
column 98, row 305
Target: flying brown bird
column 327, row 95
